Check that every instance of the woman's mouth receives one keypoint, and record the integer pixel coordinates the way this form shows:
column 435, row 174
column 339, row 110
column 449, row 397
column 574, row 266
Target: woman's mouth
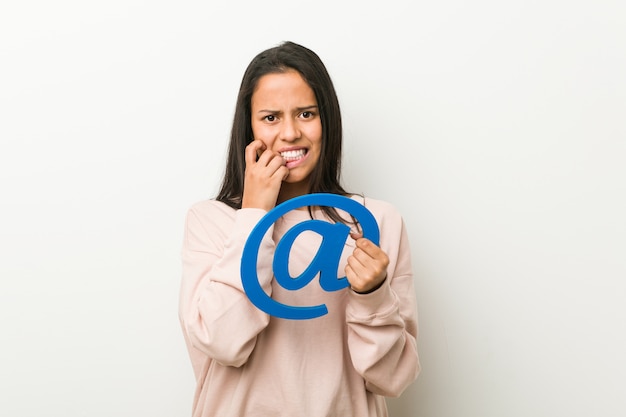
column 293, row 157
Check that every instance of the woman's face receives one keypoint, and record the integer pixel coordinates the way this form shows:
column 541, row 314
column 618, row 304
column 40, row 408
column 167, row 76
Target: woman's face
column 286, row 119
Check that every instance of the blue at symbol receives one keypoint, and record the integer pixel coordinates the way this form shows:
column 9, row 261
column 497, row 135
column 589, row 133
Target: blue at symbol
column 325, row 262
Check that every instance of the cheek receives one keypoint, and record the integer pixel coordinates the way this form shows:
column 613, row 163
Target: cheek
column 256, row 132
column 314, row 133
column 318, row 140
column 263, row 134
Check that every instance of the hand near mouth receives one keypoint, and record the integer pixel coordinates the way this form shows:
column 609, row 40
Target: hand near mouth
column 265, row 172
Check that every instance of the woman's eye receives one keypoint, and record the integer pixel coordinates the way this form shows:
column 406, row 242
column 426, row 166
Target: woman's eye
column 270, row 117
column 307, row 114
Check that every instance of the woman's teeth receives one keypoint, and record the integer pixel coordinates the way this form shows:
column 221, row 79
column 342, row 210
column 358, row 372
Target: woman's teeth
column 293, row 155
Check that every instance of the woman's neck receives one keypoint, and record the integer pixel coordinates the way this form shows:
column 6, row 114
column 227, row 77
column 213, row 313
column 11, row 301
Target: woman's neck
column 289, row 191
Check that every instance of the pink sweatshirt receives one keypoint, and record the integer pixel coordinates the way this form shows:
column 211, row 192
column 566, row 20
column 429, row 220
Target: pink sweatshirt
column 247, row 363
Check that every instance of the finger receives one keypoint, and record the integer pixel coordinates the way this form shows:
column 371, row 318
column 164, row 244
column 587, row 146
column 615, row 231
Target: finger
column 357, row 265
column 270, row 159
column 350, row 275
column 252, row 151
column 274, row 160
column 372, row 257
column 369, row 247
column 282, row 172
column 276, row 168
column 357, row 275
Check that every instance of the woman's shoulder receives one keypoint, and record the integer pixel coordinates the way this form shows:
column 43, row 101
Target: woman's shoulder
column 207, row 224
column 390, row 221
column 211, row 211
column 387, row 216
column 376, row 206
column 211, row 205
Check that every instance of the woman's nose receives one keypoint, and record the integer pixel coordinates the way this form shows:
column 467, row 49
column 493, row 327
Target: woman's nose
column 289, row 130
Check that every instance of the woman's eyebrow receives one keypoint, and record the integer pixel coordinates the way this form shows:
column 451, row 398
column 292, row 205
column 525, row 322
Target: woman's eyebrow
column 311, row 107
column 307, row 107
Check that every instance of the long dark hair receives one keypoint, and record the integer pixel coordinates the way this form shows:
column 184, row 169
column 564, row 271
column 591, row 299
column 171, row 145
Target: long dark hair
column 326, row 176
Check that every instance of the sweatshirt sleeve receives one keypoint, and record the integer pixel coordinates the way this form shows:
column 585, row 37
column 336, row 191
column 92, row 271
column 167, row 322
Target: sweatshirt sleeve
column 382, row 325
column 212, row 300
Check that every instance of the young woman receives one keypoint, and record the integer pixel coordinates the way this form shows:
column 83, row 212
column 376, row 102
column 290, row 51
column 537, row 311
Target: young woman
column 286, row 142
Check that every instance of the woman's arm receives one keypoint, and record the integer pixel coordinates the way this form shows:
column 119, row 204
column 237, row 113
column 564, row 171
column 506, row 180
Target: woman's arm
column 217, row 316
column 382, row 325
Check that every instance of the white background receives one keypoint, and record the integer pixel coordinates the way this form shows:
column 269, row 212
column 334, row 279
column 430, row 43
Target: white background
column 496, row 127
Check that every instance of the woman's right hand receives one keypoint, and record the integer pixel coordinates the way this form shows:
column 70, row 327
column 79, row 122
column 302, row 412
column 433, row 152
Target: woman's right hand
column 265, row 173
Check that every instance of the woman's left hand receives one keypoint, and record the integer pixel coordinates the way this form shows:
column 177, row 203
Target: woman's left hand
column 367, row 266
